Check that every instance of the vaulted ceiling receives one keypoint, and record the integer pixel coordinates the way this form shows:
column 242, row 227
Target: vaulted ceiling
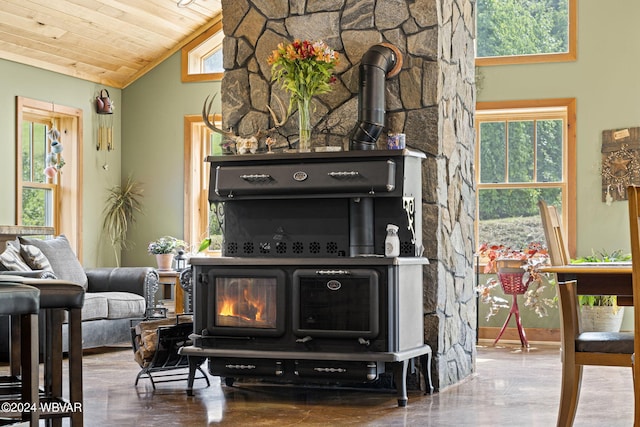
column 111, row 42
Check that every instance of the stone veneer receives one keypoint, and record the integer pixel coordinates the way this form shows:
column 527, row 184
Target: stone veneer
column 432, row 101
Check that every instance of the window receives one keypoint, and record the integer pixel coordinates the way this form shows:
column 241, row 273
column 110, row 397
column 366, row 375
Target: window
column 525, row 31
column 201, row 220
column 202, row 57
column 38, row 191
column 525, row 151
column 55, row 200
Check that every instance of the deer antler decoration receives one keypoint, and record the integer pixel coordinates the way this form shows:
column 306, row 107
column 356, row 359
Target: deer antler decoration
column 244, row 145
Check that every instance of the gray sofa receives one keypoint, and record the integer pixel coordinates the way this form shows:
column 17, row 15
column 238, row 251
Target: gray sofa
column 114, row 295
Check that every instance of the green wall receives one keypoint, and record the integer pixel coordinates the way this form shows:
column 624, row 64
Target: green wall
column 148, row 134
column 604, row 82
column 153, row 110
column 31, row 82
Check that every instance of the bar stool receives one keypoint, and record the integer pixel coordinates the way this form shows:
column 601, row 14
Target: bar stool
column 56, row 297
column 22, row 303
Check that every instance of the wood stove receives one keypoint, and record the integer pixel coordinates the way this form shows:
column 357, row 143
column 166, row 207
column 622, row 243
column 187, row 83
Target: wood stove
column 303, row 292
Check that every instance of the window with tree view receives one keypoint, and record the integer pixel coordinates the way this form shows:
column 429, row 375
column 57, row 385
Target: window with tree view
column 512, row 31
column 522, row 156
column 38, row 192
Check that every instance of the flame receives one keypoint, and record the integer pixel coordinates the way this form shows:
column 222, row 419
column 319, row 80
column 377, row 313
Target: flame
column 254, row 307
column 227, row 308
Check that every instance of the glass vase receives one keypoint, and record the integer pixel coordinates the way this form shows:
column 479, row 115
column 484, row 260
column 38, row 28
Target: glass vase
column 304, row 125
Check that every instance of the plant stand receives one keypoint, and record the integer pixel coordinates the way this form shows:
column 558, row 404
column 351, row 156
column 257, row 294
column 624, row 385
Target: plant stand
column 511, row 281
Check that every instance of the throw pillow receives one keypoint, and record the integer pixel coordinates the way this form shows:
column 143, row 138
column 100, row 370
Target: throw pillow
column 35, row 258
column 12, row 260
column 63, row 261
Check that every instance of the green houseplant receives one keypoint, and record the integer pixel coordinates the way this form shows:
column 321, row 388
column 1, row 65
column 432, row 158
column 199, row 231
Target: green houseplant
column 164, row 249
column 601, row 312
column 123, row 202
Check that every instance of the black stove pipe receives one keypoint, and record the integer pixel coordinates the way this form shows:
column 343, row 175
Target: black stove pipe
column 380, row 62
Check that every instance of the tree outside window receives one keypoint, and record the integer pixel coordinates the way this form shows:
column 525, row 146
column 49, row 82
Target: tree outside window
column 517, row 31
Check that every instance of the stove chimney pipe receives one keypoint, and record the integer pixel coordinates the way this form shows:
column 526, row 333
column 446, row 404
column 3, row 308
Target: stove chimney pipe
column 380, row 62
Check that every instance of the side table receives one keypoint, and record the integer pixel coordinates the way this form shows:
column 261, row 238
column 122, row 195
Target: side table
column 172, row 277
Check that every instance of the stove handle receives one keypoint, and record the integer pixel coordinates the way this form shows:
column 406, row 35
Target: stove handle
column 257, row 177
column 344, row 174
column 332, row 272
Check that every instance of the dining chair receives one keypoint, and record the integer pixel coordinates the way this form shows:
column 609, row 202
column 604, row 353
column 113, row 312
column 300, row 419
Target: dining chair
column 578, row 348
column 633, row 193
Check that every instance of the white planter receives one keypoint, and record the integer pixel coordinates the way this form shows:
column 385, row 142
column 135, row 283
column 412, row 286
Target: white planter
column 601, row 319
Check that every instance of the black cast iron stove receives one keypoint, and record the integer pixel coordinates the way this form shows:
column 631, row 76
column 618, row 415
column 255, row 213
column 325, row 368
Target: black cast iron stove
column 303, row 291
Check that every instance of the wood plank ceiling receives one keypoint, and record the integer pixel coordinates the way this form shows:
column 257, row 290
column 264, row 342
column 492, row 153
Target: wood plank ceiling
column 111, row 42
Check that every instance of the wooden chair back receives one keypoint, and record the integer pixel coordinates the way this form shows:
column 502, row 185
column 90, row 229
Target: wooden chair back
column 556, row 242
column 633, row 193
column 634, row 227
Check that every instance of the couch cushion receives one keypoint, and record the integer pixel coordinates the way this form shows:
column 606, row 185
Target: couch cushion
column 95, row 306
column 64, row 262
column 124, row 304
column 12, row 260
column 35, row 258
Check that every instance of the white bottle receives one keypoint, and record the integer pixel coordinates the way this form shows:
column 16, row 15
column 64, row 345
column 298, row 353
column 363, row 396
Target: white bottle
column 392, row 242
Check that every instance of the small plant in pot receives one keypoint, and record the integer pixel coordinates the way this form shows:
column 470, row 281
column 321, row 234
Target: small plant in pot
column 164, row 249
column 601, row 313
column 517, row 272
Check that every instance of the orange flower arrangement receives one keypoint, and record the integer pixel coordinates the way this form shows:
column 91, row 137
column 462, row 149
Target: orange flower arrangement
column 303, row 68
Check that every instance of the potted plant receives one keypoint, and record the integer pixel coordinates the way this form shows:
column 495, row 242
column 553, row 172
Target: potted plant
column 517, row 273
column 601, row 313
column 164, row 249
column 123, row 202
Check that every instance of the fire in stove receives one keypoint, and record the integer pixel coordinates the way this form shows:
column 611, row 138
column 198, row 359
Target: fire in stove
column 245, row 303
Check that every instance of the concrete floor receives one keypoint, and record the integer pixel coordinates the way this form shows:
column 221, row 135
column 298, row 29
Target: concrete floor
column 511, row 387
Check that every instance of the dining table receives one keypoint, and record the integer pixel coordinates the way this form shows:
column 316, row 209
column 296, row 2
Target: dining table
column 608, row 278
column 597, row 278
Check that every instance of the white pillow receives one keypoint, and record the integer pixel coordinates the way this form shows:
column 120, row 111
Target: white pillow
column 12, row 260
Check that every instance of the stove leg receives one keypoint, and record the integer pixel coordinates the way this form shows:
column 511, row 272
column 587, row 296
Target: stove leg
column 400, row 378
column 425, row 362
column 194, row 363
